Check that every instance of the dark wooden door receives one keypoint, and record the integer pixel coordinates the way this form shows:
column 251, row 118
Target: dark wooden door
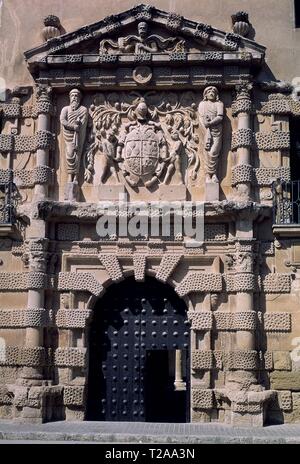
column 131, row 321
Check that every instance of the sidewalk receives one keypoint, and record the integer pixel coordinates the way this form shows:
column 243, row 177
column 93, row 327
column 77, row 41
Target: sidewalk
column 137, row 432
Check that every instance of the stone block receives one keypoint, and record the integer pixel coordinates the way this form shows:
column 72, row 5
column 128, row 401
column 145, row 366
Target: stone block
column 282, row 360
column 212, row 190
column 285, row 380
column 294, row 415
column 202, row 399
column 172, row 192
column 285, row 400
column 111, row 192
column 32, row 413
column 246, row 419
column 198, row 415
column 74, row 414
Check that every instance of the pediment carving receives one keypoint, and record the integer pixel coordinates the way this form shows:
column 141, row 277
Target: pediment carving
column 143, row 30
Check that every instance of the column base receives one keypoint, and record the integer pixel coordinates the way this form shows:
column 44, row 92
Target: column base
column 247, row 408
column 179, row 385
column 37, row 404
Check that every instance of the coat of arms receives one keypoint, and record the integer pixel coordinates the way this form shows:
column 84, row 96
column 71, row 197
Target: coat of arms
column 139, row 145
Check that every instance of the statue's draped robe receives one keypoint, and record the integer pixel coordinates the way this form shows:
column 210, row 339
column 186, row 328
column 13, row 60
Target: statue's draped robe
column 213, row 135
column 74, row 140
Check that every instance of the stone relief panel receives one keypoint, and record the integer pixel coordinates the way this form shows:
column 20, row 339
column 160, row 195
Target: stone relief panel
column 143, row 140
column 147, row 142
column 142, row 43
column 153, row 145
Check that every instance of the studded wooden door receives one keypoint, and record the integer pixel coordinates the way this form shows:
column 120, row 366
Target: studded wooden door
column 130, row 321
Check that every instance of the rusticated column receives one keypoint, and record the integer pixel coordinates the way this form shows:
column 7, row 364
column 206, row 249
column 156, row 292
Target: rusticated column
column 36, row 295
column 44, row 110
column 243, row 140
column 244, row 314
column 247, row 397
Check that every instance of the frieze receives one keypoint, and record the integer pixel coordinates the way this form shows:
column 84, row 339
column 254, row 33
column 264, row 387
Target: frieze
column 171, row 71
column 269, row 141
column 285, row 400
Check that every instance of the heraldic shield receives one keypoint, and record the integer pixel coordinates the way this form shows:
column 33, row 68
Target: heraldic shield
column 142, row 150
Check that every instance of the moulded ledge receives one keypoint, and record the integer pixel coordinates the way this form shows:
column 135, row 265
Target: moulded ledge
column 6, row 230
column 286, row 230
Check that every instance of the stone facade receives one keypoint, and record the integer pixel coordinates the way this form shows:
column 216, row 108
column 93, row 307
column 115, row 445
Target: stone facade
column 148, row 106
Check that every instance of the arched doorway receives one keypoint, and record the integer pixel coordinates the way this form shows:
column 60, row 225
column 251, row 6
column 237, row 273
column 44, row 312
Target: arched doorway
column 139, row 355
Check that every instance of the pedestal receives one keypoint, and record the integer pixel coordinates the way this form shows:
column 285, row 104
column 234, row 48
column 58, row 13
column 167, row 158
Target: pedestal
column 212, row 191
column 111, row 192
column 172, row 192
column 71, row 191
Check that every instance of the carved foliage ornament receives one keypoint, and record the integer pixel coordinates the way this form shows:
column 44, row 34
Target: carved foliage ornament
column 142, row 140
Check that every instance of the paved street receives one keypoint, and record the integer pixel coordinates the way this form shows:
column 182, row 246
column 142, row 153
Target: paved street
column 125, row 432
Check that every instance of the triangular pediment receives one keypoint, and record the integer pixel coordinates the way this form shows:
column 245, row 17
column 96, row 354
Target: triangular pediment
column 167, row 33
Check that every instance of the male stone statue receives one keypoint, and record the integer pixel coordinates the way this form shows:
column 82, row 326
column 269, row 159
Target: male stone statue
column 74, row 119
column 211, row 112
